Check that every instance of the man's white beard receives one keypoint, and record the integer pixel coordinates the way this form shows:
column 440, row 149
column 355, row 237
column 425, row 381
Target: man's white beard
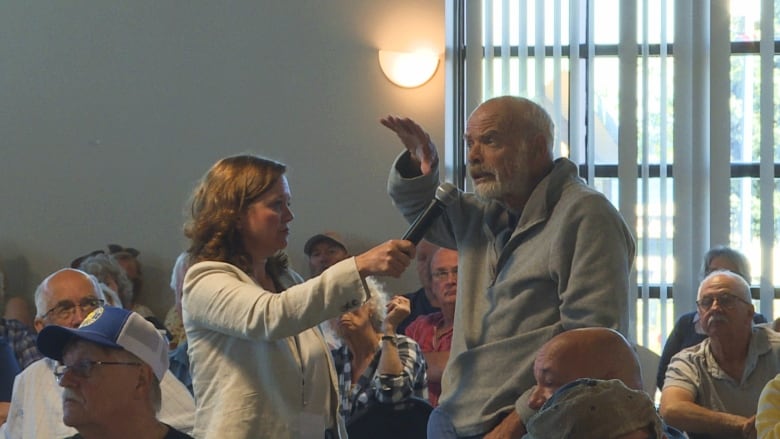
column 489, row 190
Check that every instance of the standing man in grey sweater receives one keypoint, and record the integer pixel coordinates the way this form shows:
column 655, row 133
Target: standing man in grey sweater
column 540, row 252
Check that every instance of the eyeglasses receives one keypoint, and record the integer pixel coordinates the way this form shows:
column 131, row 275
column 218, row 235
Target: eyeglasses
column 725, row 300
column 66, row 310
column 83, row 368
column 445, row 274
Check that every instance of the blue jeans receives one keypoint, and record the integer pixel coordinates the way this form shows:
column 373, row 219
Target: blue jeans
column 440, row 427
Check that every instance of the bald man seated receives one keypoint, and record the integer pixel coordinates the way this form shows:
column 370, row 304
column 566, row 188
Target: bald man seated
column 597, row 353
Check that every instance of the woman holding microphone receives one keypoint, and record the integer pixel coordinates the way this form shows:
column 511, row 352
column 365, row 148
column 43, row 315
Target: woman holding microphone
column 260, row 367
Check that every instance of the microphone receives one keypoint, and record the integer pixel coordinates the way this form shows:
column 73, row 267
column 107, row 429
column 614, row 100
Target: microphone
column 446, row 193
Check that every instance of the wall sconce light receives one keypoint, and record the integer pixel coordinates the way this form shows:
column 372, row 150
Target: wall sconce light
column 408, row 69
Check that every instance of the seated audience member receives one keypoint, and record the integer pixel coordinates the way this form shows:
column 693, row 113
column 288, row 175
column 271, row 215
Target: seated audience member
column 110, row 368
column 19, row 336
column 18, row 308
column 596, row 409
column 712, row 389
column 173, row 319
column 179, row 360
column 374, row 364
column 433, row 332
column 14, row 307
column 109, row 283
column 65, row 298
column 9, row 367
column 422, row 301
column 597, row 353
column 110, row 273
column 323, row 250
column 768, row 414
column 22, row 341
column 688, row 331
column 127, row 257
column 18, row 342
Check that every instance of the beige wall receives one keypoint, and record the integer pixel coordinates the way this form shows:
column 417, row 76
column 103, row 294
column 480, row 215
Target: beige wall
column 110, row 111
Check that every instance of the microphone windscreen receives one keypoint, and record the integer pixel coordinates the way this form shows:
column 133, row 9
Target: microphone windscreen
column 446, row 193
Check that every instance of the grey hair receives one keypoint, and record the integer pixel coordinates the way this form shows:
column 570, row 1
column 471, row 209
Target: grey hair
column 377, row 303
column 105, row 266
column 734, row 256
column 538, row 119
column 40, row 291
column 530, row 117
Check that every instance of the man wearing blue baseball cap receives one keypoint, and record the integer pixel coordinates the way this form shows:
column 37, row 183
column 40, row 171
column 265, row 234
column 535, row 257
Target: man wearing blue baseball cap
column 110, row 369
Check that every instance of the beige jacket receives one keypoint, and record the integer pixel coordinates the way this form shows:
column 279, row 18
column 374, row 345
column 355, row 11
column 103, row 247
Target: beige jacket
column 251, row 350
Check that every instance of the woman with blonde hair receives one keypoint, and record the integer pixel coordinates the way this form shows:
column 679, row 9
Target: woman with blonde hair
column 260, row 366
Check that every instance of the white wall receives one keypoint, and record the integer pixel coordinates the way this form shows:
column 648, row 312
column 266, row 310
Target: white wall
column 110, row 111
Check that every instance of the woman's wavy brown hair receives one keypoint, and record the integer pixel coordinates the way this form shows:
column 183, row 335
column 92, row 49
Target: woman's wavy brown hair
column 219, row 200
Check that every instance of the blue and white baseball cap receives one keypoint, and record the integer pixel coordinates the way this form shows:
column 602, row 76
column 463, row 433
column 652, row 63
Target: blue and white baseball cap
column 114, row 328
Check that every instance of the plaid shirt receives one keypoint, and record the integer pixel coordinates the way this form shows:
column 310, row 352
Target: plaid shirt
column 371, row 387
column 22, row 341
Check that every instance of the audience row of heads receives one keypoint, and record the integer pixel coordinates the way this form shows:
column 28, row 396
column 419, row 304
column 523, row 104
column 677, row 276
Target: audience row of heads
column 577, row 372
column 118, row 272
column 124, row 338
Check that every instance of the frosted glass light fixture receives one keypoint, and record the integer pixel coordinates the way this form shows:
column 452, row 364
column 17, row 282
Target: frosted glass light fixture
column 408, row 69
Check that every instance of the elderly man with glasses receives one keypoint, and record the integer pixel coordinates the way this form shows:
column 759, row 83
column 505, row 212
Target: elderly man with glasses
column 65, row 298
column 712, row 389
column 433, row 332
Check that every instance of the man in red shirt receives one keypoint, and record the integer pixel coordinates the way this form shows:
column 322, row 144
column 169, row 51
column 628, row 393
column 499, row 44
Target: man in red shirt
column 433, row 332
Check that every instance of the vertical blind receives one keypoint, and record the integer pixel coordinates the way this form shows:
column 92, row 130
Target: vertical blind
column 664, row 110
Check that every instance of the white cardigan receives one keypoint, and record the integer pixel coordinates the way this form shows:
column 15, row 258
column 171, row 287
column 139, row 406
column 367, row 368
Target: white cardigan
column 251, row 350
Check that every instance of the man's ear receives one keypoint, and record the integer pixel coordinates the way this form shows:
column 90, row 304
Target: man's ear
column 38, row 324
column 145, row 379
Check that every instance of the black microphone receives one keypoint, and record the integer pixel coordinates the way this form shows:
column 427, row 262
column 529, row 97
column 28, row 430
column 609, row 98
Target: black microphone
column 446, row 193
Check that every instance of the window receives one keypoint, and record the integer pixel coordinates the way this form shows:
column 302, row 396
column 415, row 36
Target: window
column 669, row 108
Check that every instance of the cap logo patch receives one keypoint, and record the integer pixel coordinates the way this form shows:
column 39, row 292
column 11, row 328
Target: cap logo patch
column 92, row 317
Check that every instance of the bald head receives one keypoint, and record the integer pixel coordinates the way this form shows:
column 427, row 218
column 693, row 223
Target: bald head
column 598, row 353
column 62, row 289
column 522, row 117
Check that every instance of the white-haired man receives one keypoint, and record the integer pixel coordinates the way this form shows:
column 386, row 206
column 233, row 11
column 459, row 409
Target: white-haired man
column 65, row 298
column 712, row 389
column 540, row 252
